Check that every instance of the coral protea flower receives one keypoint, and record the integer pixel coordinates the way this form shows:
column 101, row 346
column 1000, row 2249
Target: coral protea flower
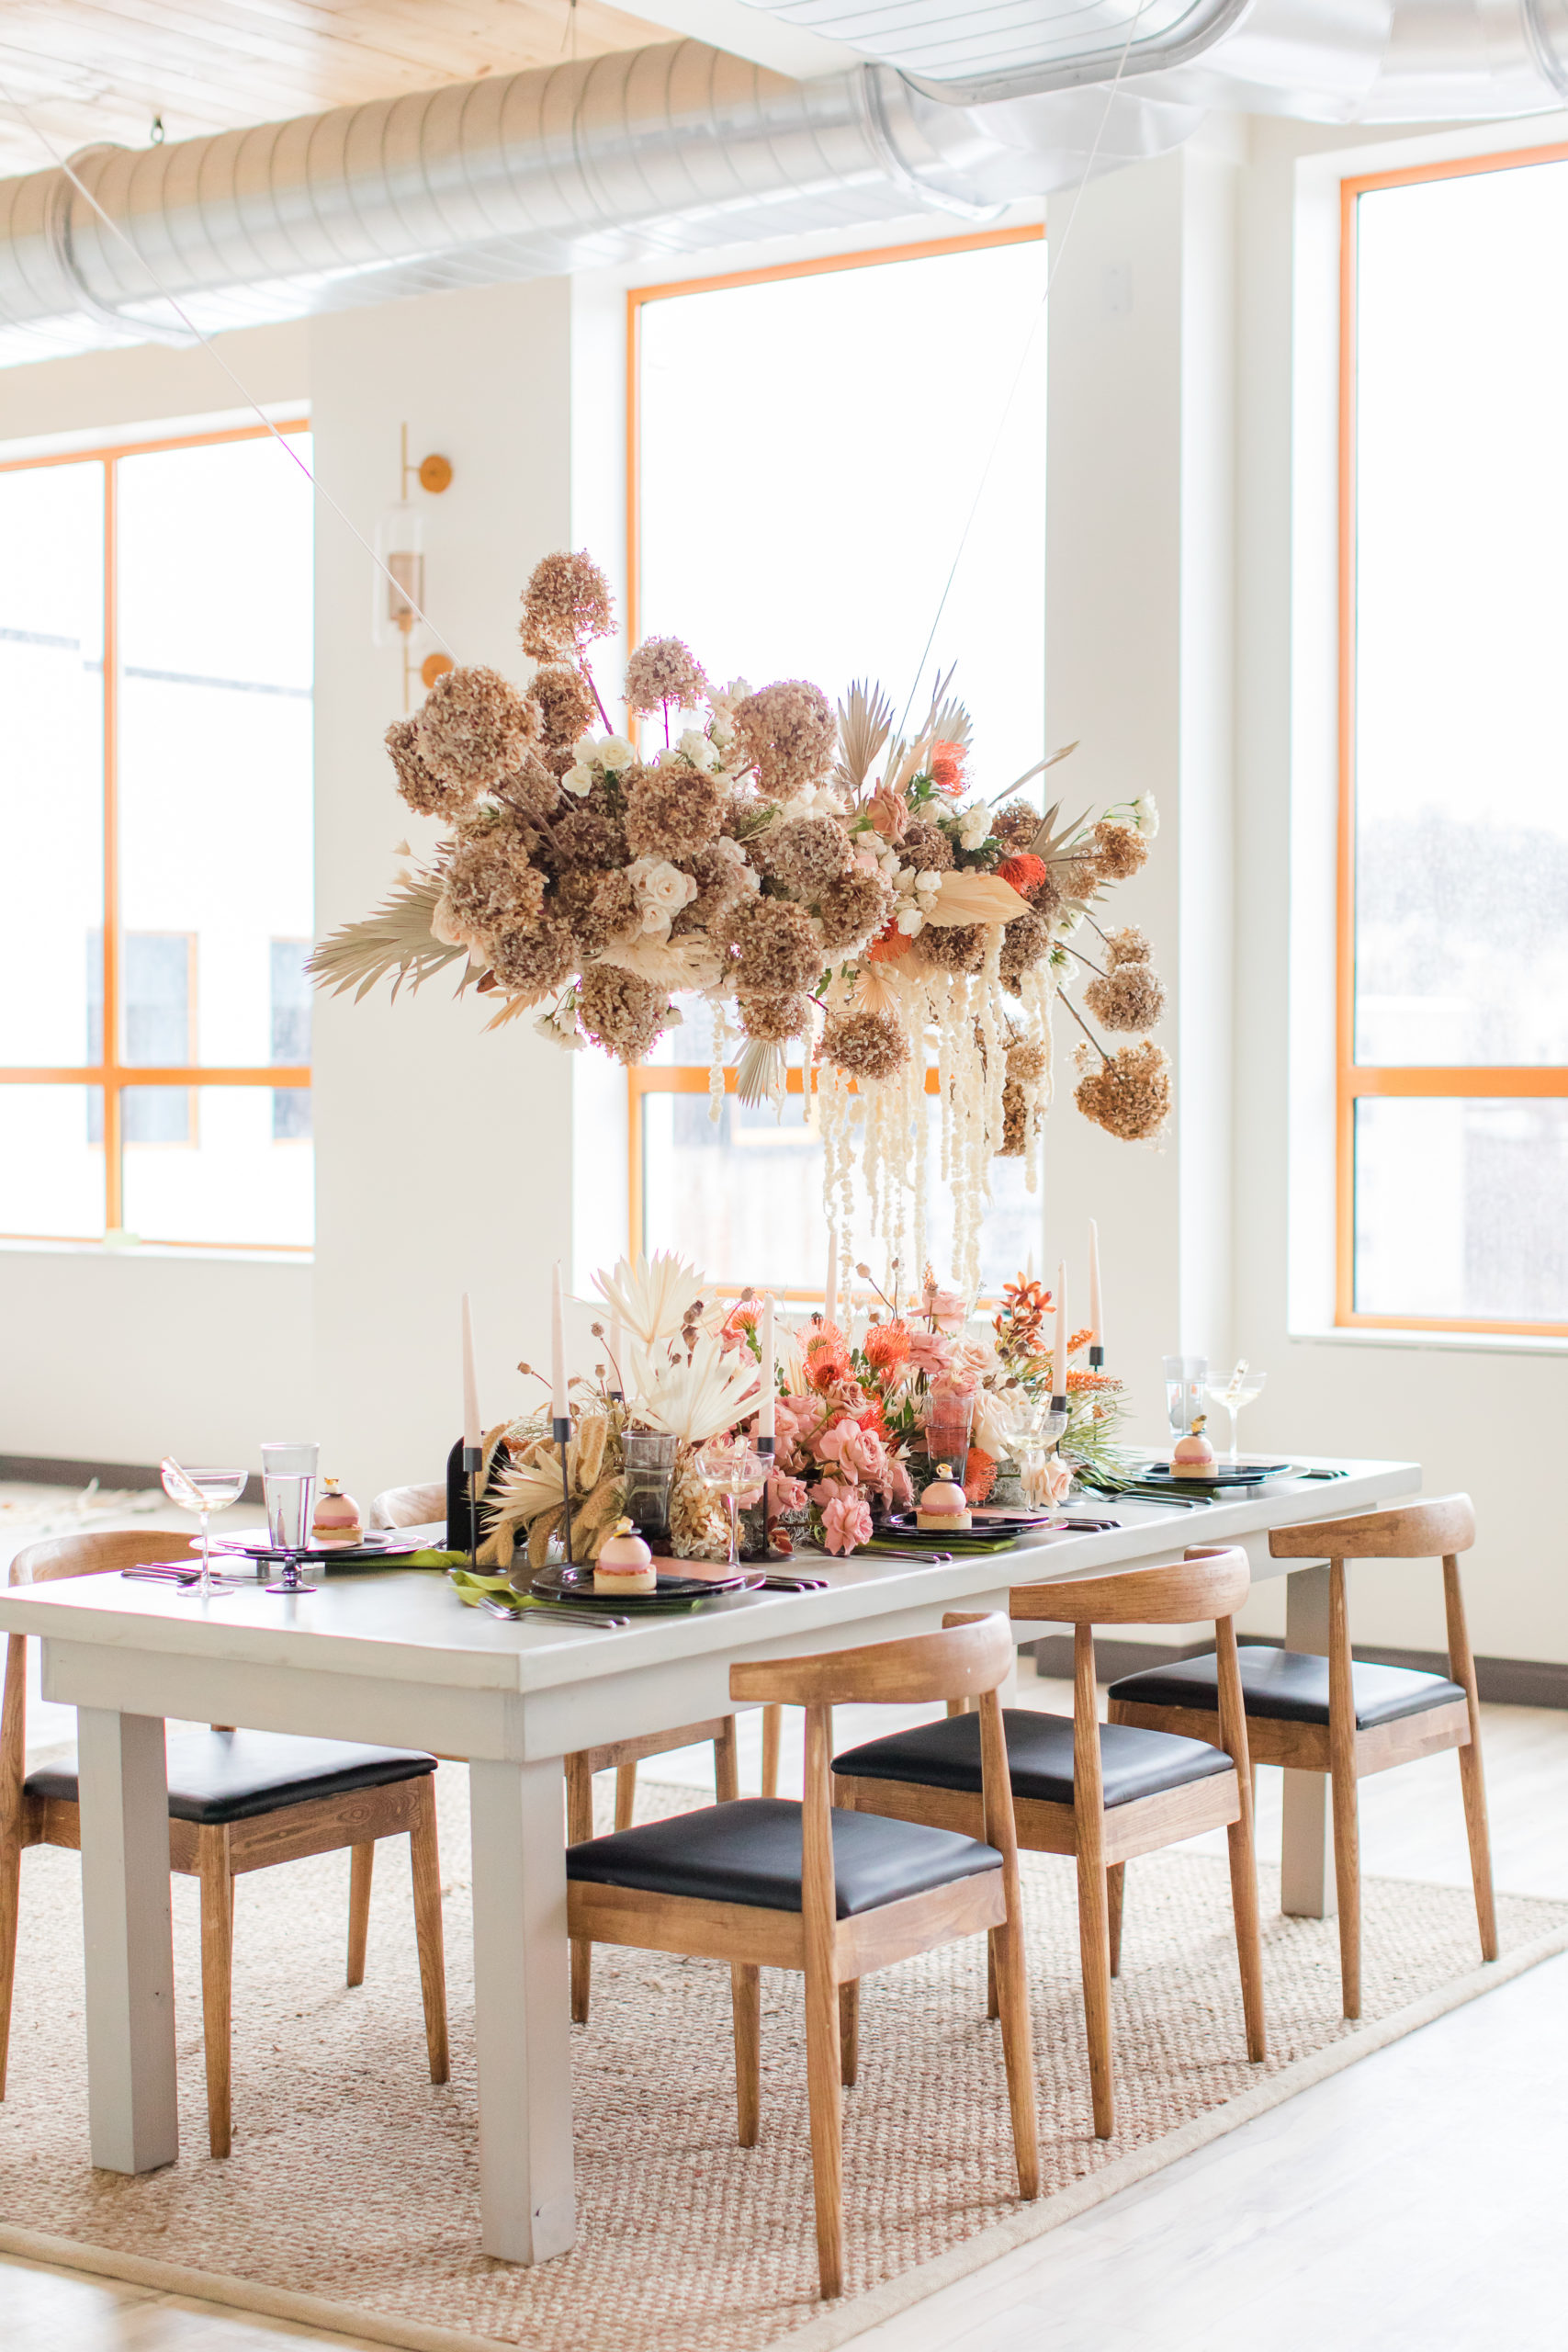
column 886, row 1345
column 979, row 1475
column 946, row 769
column 889, row 946
column 1026, row 872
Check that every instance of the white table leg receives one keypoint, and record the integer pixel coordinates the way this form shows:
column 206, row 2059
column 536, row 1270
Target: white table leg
column 1306, row 1857
column 132, row 2109
column 522, row 2009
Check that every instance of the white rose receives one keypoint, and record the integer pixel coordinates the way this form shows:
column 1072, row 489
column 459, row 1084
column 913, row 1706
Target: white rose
column 614, row 753
column 975, row 828
column 585, row 751
column 1145, row 816
column 904, row 880
column 662, row 891
column 910, row 921
column 929, row 881
column 578, row 779
column 698, row 750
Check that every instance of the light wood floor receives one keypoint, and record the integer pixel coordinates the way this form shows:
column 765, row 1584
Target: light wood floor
column 1412, row 2204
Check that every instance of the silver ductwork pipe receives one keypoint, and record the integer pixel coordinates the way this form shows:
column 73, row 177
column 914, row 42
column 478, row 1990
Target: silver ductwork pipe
column 661, row 152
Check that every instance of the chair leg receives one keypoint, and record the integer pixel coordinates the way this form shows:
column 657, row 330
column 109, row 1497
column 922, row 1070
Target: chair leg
column 1249, row 1950
column 1094, row 1945
column 993, row 1998
column 746, row 2006
column 626, row 1794
column 825, row 2098
column 772, row 1728
column 726, row 1764
column 361, row 1869
column 424, row 1858
column 10, row 1907
column 579, row 1829
column 1013, row 1988
column 1115, row 1893
column 849, row 2031
column 1472, row 1777
column 1348, row 1876
column 217, row 1978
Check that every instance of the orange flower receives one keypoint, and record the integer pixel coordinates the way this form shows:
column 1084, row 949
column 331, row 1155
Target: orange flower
column 886, row 1345
column 979, row 1475
column 1026, row 873
column 827, row 1357
column 947, row 769
column 889, row 945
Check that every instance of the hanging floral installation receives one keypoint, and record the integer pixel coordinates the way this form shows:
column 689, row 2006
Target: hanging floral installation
column 816, row 877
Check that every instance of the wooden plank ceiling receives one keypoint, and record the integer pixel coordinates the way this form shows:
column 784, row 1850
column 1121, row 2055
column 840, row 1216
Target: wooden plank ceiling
column 90, row 70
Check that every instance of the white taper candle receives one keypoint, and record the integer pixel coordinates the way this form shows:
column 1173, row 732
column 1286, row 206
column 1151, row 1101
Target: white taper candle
column 472, row 1435
column 1059, row 1352
column 830, row 1287
column 1096, row 1313
column 770, row 1382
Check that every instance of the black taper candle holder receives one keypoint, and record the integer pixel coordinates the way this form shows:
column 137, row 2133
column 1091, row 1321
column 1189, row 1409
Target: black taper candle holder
column 1095, row 1358
column 560, row 1430
column 472, row 1464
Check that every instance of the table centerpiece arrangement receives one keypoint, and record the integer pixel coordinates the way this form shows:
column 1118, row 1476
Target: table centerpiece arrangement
column 813, row 875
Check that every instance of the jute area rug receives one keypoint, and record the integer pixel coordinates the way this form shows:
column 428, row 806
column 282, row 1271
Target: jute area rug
column 351, row 2197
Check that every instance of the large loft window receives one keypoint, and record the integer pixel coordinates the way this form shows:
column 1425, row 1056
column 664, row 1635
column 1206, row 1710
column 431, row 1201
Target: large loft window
column 1453, row 967
column 810, row 450
column 156, row 888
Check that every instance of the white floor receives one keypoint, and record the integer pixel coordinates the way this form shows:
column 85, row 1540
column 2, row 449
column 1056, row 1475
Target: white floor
column 1414, row 2203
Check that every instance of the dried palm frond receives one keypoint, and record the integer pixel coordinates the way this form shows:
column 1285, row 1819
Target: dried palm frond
column 759, row 1073
column 650, row 1294
column 396, row 938
column 1029, row 775
column 1058, row 841
column 696, row 1399
column 966, row 897
column 952, row 724
column 865, row 719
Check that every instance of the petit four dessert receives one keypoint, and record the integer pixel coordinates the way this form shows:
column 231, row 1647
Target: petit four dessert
column 625, row 1564
column 1192, row 1456
column 336, row 1519
column 944, row 1504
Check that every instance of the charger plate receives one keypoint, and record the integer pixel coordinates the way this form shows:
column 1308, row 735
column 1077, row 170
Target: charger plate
column 686, row 1582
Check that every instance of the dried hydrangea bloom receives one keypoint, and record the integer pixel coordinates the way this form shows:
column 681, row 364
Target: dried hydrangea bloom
column 774, row 1020
column 1016, row 1124
column 1131, row 996
column 664, row 673
column 624, row 1014
column 1128, row 1095
column 490, row 887
column 776, row 950
column 566, row 606
column 530, row 788
column 1026, row 1062
column 1118, row 852
column 426, row 791
column 925, row 848
column 789, row 735
column 474, row 727
column 1024, row 940
column 1015, row 826
column 866, row 1045
column 854, row 907
column 1075, row 877
column 805, row 853
column 951, row 947
column 745, row 816
column 598, row 907
column 1129, row 945
column 719, row 878
column 566, row 703
column 671, row 812
column 531, row 959
column 589, row 835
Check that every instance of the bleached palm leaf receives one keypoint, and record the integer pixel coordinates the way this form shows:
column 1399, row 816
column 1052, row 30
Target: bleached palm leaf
column 696, row 1400
column 1029, row 775
column 650, row 1294
column 975, row 898
column 1058, row 841
column 759, row 1073
column 865, row 717
column 396, row 938
column 952, row 724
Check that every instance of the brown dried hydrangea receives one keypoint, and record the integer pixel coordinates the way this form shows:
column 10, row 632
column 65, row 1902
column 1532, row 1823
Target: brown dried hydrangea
column 566, row 606
column 744, row 816
column 623, row 1014
column 474, row 727
column 718, row 881
column 1015, row 827
column 926, row 847
column 804, row 854
column 664, row 673
column 773, row 1020
column 671, row 812
column 490, row 887
column 1075, row 877
column 588, row 835
column 1015, row 1122
column 531, row 959
column 566, row 703
column 869, row 1046
column 1129, row 945
column 854, row 907
column 1024, row 940
column 599, row 908
column 789, row 735
column 1026, row 1062
column 1118, row 851
column 951, row 947
column 531, row 788
column 1130, row 996
column 1129, row 1094
column 776, row 952
column 426, row 791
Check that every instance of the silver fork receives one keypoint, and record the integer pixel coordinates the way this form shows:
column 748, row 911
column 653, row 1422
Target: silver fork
column 557, row 1616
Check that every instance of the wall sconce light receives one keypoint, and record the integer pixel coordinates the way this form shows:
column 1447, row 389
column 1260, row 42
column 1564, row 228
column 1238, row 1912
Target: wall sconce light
column 400, row 544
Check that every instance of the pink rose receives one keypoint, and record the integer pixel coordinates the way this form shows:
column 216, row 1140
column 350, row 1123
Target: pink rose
column 950, row 1311
column 956, row 1381
column 930, row 1352
column 786, row 1494
column 864, row 1454
column 845, row 1523
column 900, row 1493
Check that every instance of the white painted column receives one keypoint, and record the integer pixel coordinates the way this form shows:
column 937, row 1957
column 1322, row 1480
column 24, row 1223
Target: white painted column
column 522, row 2009
column 133, row 2107
column 1307, row 1854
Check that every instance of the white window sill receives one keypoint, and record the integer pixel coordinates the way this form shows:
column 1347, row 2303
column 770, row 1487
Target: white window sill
column 192, row 1254
column 1489, row 1343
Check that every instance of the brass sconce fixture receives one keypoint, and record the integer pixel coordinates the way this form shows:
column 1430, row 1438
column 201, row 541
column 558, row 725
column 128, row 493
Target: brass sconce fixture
column 399, row 599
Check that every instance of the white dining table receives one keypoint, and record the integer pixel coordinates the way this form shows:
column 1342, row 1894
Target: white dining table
column 393, row 1657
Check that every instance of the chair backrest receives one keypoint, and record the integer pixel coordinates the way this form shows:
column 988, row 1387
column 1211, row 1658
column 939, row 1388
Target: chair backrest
column 1207, row 1582
column 409, row 1506
column 962, row 1663
column 1420, row 1531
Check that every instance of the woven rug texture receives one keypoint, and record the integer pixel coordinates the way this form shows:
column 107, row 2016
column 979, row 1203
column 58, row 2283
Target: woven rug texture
column 354, row 2178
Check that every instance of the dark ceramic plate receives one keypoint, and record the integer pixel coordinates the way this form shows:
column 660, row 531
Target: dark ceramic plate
column 1223, row 1474
column 988, row 1524
column 700, row 1580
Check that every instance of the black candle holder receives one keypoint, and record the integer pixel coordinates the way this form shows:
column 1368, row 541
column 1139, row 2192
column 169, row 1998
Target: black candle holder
column 560, row 1430
column 1096, row 1358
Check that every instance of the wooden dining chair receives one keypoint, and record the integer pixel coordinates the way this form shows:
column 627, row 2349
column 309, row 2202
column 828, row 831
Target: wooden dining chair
column 1330, row 1714
column 764, row 1882
column 239, row 1800
column 1101, row 1793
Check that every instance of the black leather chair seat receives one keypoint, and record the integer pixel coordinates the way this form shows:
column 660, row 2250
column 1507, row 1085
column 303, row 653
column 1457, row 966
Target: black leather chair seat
column 1291, row 1686
column 220, row 1776
column 1040, row 1757
column 749, row 1851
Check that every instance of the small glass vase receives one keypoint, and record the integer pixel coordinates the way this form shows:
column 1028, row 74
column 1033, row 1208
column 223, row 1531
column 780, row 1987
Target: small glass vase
column 948, row 1420
column 649, row 1458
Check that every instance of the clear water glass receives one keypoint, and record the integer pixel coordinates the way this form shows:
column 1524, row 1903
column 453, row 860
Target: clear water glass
column 1186, row 1380
column 731, row 1469
column 289, row 1482
column 202, row 1490
column 1232, row 1394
